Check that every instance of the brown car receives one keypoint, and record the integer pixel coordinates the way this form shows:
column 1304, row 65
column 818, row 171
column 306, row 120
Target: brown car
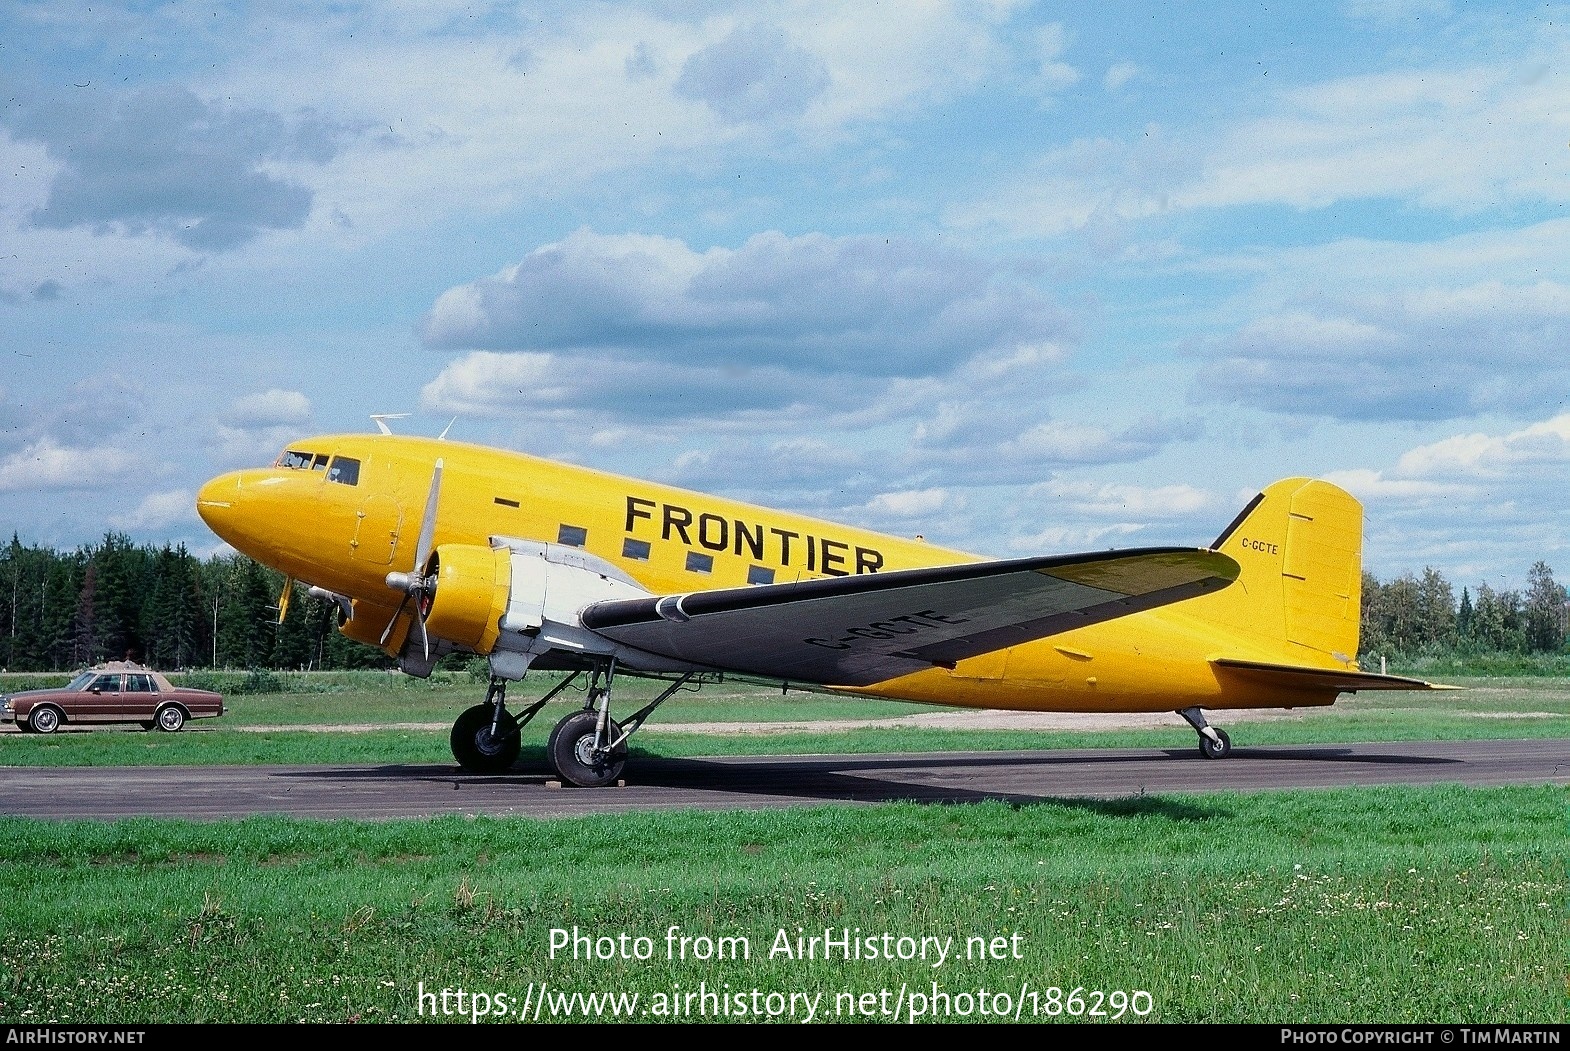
column 118, row 692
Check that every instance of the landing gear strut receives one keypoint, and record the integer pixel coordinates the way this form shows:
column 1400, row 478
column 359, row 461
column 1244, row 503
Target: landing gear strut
column 485, row 738
column 588, row 748
column 1213, row 743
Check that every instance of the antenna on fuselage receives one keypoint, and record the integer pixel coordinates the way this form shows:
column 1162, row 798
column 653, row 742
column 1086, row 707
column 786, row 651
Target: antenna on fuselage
column 379, row 419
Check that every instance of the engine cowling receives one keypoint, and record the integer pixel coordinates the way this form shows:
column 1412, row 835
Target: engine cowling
column 470, row 596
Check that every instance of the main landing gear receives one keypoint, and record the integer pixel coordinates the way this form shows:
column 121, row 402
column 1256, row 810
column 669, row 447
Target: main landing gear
column 1213, row 743
column 586, row 748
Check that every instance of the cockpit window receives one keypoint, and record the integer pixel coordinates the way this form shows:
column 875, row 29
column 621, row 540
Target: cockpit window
column 344, row 470
column 320, row 463
column 295, row 460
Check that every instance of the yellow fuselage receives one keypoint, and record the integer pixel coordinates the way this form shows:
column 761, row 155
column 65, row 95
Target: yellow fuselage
column 313, row 524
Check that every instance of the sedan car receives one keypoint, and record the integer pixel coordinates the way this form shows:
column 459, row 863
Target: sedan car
column 111, row 693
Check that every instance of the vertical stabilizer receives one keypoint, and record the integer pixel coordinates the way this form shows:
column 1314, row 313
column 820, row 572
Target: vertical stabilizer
column 1300, row 546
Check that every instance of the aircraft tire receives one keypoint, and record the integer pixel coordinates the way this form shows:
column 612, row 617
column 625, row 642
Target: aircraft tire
column 571, row 745
column 474, row 747
column 1211, row 750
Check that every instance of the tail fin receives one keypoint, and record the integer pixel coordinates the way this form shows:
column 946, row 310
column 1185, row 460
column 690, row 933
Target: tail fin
column 1299, row 595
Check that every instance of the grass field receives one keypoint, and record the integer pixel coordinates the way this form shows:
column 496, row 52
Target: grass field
column 399, row 720
column 1387, row 905
column 1440, row 904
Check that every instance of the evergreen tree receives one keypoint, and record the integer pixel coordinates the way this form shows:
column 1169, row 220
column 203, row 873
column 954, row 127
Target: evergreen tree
column 1545, row 610
column 1436, row 610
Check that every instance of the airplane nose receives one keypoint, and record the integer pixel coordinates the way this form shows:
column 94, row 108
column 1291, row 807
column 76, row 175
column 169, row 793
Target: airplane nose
column 218, row 503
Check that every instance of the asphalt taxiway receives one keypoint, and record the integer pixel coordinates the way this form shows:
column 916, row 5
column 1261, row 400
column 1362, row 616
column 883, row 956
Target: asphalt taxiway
column 759, row 782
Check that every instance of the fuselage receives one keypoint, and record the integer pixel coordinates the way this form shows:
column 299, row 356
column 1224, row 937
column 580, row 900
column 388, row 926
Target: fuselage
column 342, row 511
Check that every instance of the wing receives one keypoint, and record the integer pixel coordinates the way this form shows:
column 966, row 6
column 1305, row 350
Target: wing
column 856, row 631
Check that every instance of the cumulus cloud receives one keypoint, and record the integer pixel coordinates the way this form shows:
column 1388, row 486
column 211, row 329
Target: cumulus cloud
column 1428, row 354
column 1371, row 485
column 1006, row 441
column 875, row 306
column 1491, row 456
column 254, row 427
column 159, row 511
column 909, row 503
column 1055, row 539
column 1119, row 75
column 754, row 74
column 1086, row 183
column 1052, row 74
column 161, row 160
column 488, row 383
column 269, row 408
column 1460, row 140
column 47, row 465
column 1102, row 499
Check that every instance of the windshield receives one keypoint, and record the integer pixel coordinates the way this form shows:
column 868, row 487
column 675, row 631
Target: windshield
column 81, row 681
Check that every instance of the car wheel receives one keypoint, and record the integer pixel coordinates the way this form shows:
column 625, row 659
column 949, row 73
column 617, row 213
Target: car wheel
column 44, row 720
column 170, row 718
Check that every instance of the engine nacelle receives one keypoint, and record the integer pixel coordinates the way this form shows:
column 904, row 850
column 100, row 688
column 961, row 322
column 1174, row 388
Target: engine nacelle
column 472, row 585
column 516, row 601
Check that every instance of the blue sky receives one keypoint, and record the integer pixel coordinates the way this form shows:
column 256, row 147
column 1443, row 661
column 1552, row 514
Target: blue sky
column 1021, row 277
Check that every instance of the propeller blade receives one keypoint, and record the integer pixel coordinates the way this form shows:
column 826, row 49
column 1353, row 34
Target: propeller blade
column 284, row 597
column 387, row 632
column 422, row 550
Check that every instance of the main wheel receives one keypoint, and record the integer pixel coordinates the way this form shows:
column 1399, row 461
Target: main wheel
column 474, row 746
column 1211, row 749
column 170, row 718
column 44, row 720
column 574, row 756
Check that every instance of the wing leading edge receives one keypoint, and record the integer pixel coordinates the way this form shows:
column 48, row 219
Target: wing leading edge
column 860, row 630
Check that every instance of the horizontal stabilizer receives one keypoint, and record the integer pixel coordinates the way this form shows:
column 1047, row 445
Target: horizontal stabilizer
column 860, row 630
column 1299, row 678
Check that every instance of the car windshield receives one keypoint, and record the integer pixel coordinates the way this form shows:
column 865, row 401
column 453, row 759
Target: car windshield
column 81, row 681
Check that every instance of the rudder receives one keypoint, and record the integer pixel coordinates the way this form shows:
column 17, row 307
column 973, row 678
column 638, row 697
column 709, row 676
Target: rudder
column 1299, row 594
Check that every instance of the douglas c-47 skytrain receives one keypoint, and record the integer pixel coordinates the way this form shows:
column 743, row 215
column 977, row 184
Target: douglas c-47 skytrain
column 430, row 547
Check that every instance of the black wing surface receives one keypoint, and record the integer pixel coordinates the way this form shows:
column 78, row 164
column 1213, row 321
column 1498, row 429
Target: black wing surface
column 860, row 630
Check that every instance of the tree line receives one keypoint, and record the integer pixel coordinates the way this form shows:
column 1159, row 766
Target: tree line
column 162, row 606
column 172, row 610
column 1415, row 615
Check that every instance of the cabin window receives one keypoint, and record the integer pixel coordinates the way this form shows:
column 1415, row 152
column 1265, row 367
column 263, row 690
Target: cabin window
column 697, row 563
column 638, row 549
column 572, row 536
column 345, row 471
column 760, row 575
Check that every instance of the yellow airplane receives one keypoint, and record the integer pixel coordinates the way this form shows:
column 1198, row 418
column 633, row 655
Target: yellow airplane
column 429, row 547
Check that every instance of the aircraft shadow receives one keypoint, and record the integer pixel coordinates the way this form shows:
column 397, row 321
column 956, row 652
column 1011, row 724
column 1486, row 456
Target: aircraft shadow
column 927, row 777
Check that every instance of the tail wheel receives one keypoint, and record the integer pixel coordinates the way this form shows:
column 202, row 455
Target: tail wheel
column 574, row 755
column 476, row 748
column 1217, row 749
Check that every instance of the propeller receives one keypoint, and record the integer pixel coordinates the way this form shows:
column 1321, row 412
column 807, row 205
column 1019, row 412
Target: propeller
column 418, row 584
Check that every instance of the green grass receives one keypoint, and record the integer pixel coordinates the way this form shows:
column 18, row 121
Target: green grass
column 1390, row 905
column 1490, row 708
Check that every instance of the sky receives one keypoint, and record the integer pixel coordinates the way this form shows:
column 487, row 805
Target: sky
column 1019, row 277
